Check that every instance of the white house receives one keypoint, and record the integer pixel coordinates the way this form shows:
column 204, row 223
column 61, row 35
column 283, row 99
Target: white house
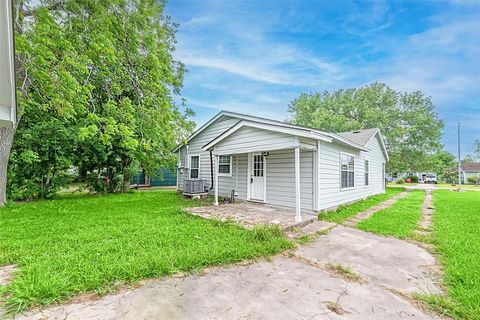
column 283, row 164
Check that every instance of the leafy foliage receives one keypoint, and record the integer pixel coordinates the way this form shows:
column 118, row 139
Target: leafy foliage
column 407, row 120
column 98, row 87
column 443, row 163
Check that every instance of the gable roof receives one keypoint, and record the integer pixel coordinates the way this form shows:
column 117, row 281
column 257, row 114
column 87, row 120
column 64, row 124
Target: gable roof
column 362, row 137
column 296, row 129
column 470, row 166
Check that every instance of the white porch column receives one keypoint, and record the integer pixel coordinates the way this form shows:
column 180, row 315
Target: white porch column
column 216, row 180
column 298, row 214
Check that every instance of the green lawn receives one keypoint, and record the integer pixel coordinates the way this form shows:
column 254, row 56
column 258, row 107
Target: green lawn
column 84, row 243
column 348, row 211
column 464, row 186
column 456, row 227
column 399, row 220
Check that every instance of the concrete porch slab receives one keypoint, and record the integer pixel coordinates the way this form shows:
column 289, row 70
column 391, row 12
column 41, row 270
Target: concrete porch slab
column 249, row 214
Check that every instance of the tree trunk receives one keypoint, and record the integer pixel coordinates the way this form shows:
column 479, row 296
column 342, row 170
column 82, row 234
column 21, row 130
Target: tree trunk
column 6, row 140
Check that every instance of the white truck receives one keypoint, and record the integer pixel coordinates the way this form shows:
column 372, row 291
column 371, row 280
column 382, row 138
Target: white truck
column 430, row 178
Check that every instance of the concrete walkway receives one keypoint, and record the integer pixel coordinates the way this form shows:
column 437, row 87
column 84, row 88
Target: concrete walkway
column 295, row 285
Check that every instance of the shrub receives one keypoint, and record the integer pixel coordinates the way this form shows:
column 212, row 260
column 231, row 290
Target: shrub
column 473, row 180
column 413, row 179
column 400, row 181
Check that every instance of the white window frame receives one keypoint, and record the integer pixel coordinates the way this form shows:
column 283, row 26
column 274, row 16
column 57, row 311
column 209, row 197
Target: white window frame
column 190, row 165
column 366, row 172
column 340, row 168
column 185, row 158
column 224, row 174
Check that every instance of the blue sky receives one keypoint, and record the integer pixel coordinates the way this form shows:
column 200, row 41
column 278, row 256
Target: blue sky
column 256, row 56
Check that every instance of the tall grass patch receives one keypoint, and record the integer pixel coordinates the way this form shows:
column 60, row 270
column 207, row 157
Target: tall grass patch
column 78, row 244
column 398, row 220
column 456, row 229
column 348, row 211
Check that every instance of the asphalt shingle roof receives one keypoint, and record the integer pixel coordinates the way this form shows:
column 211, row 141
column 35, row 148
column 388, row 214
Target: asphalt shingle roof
column 471, row 167
column 360, row 137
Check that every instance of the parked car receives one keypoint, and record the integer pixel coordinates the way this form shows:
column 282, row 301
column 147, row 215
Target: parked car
column 430, row 178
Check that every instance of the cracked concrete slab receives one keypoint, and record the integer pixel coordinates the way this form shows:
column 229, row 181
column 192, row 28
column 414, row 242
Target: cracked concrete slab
column 388, row 262
column 284, row 288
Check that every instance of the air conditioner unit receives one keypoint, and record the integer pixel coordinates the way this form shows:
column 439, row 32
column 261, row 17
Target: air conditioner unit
column 193, row 186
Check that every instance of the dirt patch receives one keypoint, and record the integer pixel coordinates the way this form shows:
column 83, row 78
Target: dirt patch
column 425, row 225
column 6, row 274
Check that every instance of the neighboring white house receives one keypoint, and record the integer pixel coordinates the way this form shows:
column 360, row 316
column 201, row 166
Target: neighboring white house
column 283, row 164
column 470, row 169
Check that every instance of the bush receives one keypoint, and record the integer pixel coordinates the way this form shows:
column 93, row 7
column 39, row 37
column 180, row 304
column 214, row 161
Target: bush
column 400, row 181
column 413, row 179
column 473, row 180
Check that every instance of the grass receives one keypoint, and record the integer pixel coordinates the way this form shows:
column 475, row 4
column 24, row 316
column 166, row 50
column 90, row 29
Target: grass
column 456, row 226
column 80, row 244
column 455, row 186
column 351, row 210
column 438, row 185
column 344, row 272
column 398, row 220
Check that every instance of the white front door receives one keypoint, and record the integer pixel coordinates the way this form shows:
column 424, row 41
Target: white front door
column 257, row 177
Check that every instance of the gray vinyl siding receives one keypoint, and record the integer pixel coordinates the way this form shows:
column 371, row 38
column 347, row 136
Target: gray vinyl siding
column 242, row 176
column 329, row 192
column 247, row 138
column 281, row 178
column 195, row 148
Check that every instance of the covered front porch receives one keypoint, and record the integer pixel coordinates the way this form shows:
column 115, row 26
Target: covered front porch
column 275, row 167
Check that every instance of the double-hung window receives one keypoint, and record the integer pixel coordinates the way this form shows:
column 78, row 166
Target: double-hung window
column 347, row 171
column 367, row 171
column 194, row 167
column 225, row 165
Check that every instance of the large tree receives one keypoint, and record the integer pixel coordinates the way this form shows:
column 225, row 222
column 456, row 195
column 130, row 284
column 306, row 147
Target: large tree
column 408, row 121
column 96, row 84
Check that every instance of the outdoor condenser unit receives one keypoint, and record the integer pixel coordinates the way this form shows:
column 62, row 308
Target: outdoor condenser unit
column 193, row 186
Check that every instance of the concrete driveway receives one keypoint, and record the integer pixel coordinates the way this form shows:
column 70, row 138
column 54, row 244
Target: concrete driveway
column 295, row 285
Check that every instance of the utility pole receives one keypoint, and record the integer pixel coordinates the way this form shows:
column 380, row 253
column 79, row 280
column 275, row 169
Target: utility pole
column 459, row 173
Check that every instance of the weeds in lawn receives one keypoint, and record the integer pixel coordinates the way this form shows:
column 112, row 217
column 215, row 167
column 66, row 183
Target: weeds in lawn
column 264, row 232
column 398, row 220
column 335, row 307
column 344, row 272
column 344, row 212
column 74, row 245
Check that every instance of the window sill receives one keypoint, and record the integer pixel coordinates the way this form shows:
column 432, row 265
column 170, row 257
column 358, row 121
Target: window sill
column 224, row 174
column 346, row 189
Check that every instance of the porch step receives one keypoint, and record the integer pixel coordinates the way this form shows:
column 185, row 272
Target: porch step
column 301, row 224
